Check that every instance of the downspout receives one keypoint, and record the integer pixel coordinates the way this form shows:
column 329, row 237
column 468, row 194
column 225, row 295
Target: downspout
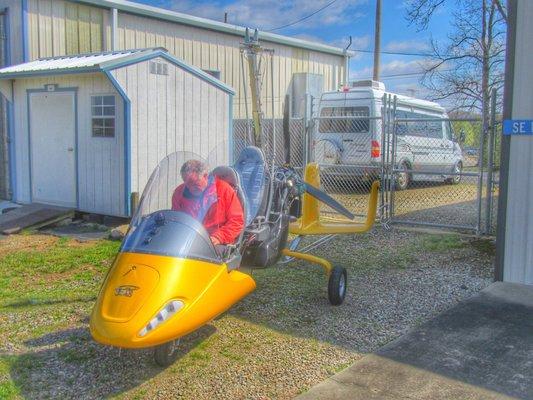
column 25, row 36
column 114, row 29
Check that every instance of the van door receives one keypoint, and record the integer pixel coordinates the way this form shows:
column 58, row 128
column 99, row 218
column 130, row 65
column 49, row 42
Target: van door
column 352, row 133
column 425, row 139
column 448, row 147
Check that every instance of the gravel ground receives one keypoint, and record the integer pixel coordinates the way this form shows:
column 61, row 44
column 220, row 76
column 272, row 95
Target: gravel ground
column 276, row 343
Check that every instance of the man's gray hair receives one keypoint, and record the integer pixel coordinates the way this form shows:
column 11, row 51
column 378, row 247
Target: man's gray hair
column 195, row 166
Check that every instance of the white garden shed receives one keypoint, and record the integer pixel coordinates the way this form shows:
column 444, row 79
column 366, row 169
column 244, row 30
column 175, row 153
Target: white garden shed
column 86, row 131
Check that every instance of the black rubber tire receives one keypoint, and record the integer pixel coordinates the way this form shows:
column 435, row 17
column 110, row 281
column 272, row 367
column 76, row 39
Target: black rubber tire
column 337, row 284
column 403, row 184
column 165, row 354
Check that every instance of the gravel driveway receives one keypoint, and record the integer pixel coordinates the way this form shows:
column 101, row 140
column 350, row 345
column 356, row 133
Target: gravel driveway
column 276, row 343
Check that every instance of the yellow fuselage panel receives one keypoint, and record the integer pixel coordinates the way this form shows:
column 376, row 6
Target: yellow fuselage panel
column 138, row 286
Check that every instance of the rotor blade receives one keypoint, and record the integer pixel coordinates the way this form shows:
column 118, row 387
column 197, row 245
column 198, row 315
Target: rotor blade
column 286, row 130
column 327, row 199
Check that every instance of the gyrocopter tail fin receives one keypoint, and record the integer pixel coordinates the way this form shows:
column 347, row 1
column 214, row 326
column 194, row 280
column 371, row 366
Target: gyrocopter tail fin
column 310, row 224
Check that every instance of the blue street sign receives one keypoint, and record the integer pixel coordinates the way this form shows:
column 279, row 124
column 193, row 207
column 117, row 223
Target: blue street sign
column 518, row 127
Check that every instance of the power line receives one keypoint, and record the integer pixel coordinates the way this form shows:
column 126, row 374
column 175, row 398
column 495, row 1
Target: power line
column 302, row 19
column 397, row 53
column 404, row 75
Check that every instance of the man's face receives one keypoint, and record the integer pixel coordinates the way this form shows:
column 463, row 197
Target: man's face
column 196, row 182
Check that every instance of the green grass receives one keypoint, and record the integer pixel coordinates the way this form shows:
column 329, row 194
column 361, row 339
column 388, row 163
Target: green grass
column 66, row 271
column 442, row 243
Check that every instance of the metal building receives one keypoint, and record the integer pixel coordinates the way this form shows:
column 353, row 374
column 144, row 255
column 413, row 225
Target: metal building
column 86, row 131
column 33, row 29
column 514, row 250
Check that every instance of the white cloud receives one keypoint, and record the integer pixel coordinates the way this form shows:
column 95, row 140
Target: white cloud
column 407, row 46
column 394, row 67
column 267, row 14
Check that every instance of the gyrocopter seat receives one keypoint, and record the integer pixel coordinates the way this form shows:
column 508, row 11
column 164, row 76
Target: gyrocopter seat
column 251, row 169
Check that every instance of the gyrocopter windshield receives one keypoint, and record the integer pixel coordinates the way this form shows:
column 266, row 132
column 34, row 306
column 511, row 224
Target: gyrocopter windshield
column 169, row 218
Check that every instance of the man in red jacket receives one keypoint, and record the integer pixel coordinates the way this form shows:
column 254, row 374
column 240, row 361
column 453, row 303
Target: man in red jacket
column 210, row 200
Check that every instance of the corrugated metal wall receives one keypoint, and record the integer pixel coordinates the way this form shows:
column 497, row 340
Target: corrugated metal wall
column 518, row 262
column 174, row 112
column 100, row 160
column 218, row 51
column 58, row 27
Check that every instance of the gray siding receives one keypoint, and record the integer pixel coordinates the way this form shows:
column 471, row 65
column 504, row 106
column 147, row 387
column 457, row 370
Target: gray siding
column 174, row 112
column 100, row 160
column 518, row 262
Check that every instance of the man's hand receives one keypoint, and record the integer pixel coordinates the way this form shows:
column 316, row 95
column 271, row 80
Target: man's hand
column 214, row 240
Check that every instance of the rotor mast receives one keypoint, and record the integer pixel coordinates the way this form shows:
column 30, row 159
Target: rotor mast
column 253, row 51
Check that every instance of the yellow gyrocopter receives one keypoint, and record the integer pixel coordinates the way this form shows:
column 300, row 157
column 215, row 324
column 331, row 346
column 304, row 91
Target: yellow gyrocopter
column 168, row 279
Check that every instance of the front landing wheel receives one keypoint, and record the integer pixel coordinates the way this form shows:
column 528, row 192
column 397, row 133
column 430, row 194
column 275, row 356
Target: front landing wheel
column 166, row 353
column 337, row 286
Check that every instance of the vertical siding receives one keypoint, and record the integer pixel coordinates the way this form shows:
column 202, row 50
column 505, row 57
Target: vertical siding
column 176, row 112
column 219, row 51
column 58, row 27
column 518, row 263
column 100, row 160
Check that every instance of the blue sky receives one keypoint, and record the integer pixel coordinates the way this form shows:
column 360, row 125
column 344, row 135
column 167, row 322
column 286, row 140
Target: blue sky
column 333, row 26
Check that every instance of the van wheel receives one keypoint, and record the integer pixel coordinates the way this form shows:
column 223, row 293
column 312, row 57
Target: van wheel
column 456, row 179
column 166, row 353
column 403, row 178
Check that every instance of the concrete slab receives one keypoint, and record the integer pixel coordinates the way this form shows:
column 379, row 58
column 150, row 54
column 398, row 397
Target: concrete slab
column 480, row 349
column 32, row 215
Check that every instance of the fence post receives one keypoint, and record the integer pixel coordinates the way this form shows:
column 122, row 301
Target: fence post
column 480, row 177
column 490, row 166
column 308, row 101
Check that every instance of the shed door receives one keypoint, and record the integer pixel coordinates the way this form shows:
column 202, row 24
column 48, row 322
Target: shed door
column 53, row 148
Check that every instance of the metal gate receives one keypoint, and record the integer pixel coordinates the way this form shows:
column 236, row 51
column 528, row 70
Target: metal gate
column 434, row 172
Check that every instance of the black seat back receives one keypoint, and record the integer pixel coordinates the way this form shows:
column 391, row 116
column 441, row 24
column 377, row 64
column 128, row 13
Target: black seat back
column 251, row 168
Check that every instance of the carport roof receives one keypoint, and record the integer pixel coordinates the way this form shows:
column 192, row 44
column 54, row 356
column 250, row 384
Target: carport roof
column 101, row 62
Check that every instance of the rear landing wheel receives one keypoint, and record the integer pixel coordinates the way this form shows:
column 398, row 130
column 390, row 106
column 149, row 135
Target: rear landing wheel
column 166, row 353
column 337, row 286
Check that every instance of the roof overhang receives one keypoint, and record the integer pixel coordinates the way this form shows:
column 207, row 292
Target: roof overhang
column 185, row 19
column 19, row 71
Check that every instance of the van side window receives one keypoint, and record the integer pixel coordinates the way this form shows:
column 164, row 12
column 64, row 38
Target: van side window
column 416, row 128
column 339, row 125
column 448, row 130
column 434, row 129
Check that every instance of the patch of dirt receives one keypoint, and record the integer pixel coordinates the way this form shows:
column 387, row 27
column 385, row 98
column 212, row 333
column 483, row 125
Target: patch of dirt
column 15, row 243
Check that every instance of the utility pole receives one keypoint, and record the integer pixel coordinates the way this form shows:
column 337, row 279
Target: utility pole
column 377, row 41
column 226, row 17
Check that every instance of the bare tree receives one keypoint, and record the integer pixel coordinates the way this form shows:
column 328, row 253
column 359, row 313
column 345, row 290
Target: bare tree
column 466, row 68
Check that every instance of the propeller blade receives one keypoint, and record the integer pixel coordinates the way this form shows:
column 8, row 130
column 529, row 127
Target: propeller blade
column 327, row 199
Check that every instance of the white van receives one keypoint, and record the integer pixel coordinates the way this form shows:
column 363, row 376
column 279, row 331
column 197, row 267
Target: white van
column 351, row 148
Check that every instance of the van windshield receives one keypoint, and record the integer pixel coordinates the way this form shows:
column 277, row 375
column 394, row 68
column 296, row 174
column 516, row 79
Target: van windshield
column 354, row 123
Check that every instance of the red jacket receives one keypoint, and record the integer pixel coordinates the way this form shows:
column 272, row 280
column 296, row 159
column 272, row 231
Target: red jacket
column 224, row 218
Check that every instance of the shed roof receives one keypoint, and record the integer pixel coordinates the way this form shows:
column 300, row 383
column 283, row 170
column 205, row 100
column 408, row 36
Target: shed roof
column 101, row 62
column 185, row 19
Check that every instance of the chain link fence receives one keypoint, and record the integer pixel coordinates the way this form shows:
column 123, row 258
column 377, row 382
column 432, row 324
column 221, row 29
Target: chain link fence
column 345, row 143
column 434, row 171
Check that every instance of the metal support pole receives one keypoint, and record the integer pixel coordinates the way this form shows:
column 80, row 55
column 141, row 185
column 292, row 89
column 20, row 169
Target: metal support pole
column 393, row 157
column 480, row 178
column 305, row 123
column 490, row 166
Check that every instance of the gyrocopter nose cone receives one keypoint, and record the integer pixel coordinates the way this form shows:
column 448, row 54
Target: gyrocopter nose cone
column 126, row 293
